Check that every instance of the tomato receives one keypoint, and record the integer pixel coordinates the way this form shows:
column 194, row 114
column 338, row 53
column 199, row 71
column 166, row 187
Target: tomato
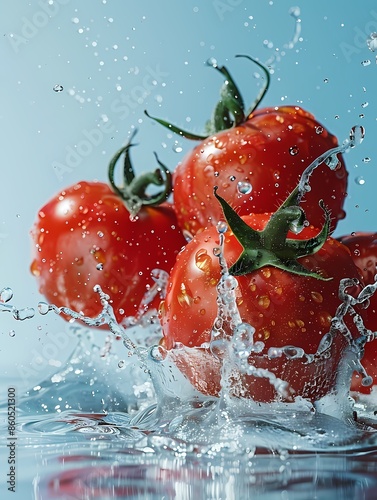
column 85, row 236
column 285, row 308
column 256, row 165
column 363, row 247
column 256, row 158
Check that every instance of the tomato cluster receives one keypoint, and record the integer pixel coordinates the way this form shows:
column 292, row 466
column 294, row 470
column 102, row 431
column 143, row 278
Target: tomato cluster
column 245, row 169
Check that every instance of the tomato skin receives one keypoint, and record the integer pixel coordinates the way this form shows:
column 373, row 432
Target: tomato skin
column 363, row 247
column 84, row 236
column 269, row 151
column 285, row 309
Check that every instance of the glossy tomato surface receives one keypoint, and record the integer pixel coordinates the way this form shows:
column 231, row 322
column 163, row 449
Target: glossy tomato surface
column 285, row 309
column 256, row 165
column 363, row 247
column 84, row 236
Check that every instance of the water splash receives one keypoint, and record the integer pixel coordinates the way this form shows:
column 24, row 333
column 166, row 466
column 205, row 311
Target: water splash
column 105, row 317
column 295, row 13
column 172, row 411
column 160, row 282
column 175, row 412
column 356, row 137
column 6, row 294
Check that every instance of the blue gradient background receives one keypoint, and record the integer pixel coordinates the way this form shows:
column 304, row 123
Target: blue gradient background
column 323, row 73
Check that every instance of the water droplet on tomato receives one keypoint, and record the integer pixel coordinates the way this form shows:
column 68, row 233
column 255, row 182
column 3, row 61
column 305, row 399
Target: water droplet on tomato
column 317, row 297
column 264, row 301
column 100, row 234
column 203, row 261
column 244, row 187
column 222, row 227
column 318, row 130
column 293, row 150
column 99, row 267
column 184, row 299
column 209, row 170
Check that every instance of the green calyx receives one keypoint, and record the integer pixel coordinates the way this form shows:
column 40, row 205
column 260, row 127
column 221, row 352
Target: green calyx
column 271, row 246
column 134, row 189
column 229, row 111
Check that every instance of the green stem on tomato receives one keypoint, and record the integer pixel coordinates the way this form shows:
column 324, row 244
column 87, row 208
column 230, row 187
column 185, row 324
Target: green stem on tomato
column 265, row 87
column 271, row 246
column 134, row 189
column 229, row 111
column 230, row 105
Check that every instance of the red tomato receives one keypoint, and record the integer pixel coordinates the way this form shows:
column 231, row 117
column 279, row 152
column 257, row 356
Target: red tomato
column 84, row 236
column 363, row 247
column 256, row 164
column 284, row 308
